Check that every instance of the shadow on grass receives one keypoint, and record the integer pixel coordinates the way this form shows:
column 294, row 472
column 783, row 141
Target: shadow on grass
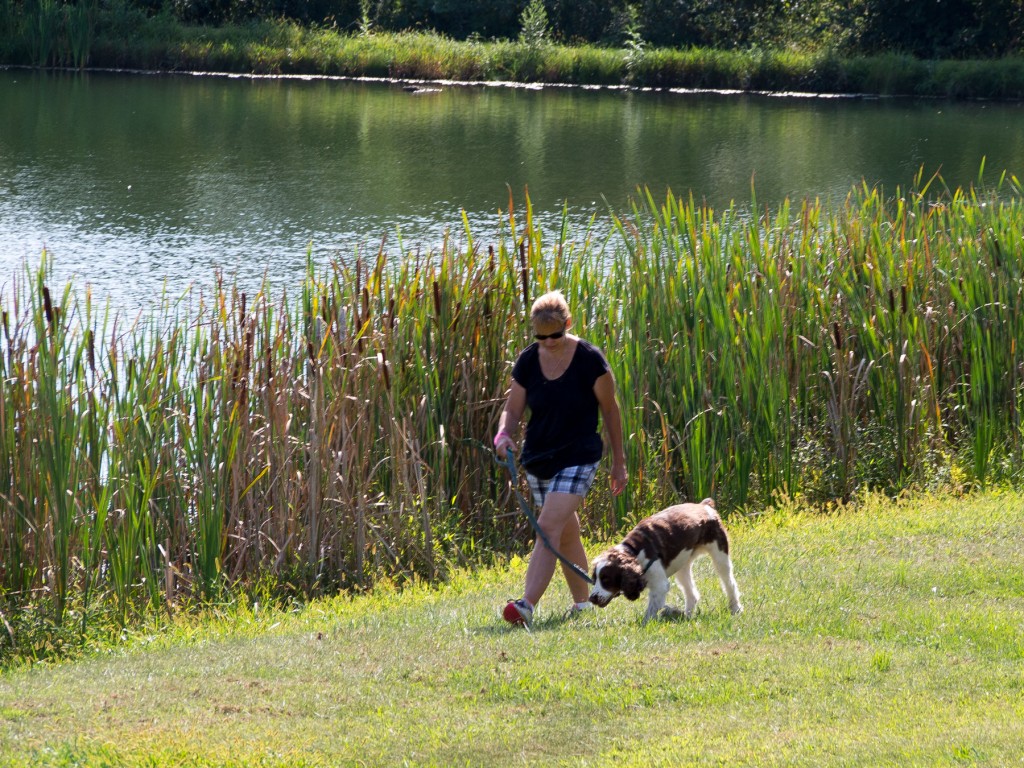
column 548, row 623
column 596, row 619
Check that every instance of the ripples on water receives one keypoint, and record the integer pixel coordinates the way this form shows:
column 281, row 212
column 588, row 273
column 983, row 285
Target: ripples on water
column 135, row 184
column 133, row 273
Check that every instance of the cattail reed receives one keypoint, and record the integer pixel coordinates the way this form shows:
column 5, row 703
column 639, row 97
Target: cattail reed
column 753, row 358
column 525, row 272
column 48, row 306
column 383, row 363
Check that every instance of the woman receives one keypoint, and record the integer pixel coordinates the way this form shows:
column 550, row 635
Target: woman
column 564, row 381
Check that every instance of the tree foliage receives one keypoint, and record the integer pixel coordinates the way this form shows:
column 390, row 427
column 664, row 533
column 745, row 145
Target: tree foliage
column 922, row 28
column 941, row 28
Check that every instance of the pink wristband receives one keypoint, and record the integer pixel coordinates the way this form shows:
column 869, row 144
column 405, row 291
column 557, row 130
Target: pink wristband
column 497, row 437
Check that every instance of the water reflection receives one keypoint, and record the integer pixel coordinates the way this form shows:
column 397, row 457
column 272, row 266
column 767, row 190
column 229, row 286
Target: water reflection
column 134, row 181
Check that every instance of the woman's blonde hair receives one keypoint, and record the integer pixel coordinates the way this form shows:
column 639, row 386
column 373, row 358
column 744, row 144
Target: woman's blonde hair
column 550, row 309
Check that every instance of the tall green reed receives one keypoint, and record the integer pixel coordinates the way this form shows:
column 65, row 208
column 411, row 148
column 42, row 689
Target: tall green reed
column 42, row 19
column 49, row 32
column 338, row 435
column 818, row 352
column 57, row 428
column 79, row 30
column 9, row 24
column 985, row 292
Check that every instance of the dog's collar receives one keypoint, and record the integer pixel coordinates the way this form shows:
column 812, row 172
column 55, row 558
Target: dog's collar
column 633, row 552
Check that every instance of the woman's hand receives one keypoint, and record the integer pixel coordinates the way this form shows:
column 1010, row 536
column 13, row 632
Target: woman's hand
column 503, row 443
column 619, row 477
column 508, row 423
column 611, row 415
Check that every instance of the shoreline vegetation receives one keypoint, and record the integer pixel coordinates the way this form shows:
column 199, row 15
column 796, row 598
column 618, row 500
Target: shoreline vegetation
column 336, row 437
column 51, row 35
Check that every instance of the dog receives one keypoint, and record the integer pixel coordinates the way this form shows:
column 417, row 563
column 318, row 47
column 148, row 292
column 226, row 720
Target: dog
column 660, row 546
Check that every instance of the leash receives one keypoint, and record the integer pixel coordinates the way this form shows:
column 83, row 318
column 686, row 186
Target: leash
column 510, row 463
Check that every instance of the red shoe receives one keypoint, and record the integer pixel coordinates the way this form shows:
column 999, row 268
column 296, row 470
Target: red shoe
column 518, row 612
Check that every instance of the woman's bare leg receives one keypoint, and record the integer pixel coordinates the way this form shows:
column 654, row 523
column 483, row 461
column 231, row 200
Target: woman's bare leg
column 557, row 514
column 571, row 547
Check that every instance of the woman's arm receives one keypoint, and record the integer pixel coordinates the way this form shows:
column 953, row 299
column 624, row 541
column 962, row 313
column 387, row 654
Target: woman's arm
column 508, row 422
column 611, row 415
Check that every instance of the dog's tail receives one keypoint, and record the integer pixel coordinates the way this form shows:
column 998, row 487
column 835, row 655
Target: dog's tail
column 709, row 507
column 721, row 538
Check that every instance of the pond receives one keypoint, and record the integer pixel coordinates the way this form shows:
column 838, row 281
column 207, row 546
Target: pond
column 140, row 183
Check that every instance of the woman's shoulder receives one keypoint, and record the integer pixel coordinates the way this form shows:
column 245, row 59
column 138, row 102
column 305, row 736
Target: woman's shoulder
column 593, row 356
column 529, row 357
column 530, row 352
column 590, row 349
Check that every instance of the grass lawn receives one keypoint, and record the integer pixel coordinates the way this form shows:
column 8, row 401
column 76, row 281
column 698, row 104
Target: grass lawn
column 888, row 635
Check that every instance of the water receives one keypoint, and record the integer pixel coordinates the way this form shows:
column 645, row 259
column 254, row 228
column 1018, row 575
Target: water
column 137, row 184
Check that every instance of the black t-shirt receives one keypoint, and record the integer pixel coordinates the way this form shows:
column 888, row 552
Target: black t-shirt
column 562, row 429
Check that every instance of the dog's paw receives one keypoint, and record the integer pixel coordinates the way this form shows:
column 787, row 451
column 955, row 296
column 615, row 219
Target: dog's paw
column 736, row 609
column 670, row 612
column 650, row 615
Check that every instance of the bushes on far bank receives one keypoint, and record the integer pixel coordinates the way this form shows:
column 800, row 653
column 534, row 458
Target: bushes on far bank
column 923, row 28
column 45, row 33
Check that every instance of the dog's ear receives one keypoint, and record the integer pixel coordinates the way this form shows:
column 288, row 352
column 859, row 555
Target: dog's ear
column 632, row 581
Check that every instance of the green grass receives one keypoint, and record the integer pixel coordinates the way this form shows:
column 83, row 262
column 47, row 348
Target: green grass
column 881, row 634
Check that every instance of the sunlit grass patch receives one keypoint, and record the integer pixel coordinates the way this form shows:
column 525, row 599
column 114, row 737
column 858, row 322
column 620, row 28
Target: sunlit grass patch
column 831, row 661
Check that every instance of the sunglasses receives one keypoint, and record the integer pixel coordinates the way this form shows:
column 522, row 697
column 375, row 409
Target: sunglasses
column 555, row 335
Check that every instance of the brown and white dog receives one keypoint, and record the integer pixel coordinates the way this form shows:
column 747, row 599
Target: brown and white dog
column 660, row 546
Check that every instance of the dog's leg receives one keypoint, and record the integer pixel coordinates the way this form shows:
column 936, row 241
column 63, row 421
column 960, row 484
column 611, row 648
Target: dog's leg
column 685, row 578
column 723, row 564
column 657, row 590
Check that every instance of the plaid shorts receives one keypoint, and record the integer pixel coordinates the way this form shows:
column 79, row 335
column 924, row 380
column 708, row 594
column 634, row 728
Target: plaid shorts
column 575, row 480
